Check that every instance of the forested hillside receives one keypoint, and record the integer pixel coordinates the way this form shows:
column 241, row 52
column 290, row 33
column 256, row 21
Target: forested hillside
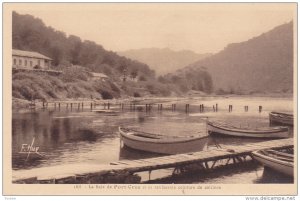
column 30, row 33
column 262, row 64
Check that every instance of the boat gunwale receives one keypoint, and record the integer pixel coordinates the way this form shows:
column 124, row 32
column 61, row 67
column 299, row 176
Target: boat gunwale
column 157, row 141
column 282, row 114
column 272, row 159
column 255, row 132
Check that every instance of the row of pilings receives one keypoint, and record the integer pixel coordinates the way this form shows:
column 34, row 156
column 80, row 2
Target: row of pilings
column 138, row 107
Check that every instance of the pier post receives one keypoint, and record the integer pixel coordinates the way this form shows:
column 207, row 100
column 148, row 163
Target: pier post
column 230, row 108
column 82, row 105
column 59, row 106
column 91, row 106
column 214, row 108
column 71, row 106
column 78, row 105
column 161, row 107
column 43, row 104
column 260, row 109
column 187, row 107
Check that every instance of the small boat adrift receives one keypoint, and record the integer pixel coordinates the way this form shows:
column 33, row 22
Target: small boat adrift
column 281, row 118
column 162, row 144
column 229, row 130
column 105, row 111
column 276, row 160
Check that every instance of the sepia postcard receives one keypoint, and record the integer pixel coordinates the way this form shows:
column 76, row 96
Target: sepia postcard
column 150, row 99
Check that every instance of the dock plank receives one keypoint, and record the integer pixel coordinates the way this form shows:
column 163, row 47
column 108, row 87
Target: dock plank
column 138, row 165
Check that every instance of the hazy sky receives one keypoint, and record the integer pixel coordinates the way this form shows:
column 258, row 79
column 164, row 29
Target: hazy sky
column 198, row 27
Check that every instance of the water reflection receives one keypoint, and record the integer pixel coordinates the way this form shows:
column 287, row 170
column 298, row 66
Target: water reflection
column 272, row 176
column 89, row 137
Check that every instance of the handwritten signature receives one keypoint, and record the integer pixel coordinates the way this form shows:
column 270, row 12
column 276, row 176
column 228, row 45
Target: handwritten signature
column 29, row 149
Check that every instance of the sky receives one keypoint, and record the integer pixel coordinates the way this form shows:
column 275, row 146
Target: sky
column 199, row 27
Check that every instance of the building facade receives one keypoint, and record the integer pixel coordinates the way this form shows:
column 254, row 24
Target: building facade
column 30, row 60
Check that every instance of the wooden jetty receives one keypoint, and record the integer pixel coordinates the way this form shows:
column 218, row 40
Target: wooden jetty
column 86, row 173
column 134, row 106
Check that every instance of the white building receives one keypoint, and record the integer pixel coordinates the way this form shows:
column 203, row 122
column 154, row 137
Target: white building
column 99, row 76
column 30, row 60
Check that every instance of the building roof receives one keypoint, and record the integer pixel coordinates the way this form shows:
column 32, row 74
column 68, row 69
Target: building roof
column 100, row 75
column 29, row 54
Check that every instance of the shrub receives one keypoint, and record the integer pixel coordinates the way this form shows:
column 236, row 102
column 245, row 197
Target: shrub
column 136, row 94
column 106, row 95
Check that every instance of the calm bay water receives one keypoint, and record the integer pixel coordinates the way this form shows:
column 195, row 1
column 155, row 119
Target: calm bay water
column 82, row 136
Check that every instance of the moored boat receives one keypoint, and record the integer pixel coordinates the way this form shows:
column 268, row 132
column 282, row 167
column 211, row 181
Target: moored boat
column 161, row 143
column 283, row 118
column 104, row 111
column 230, row 130
column 276, row 160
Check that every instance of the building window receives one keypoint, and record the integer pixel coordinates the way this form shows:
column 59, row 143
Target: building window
column 15, row 62
column 20, row 62
column 25, row 62
column 30, row 63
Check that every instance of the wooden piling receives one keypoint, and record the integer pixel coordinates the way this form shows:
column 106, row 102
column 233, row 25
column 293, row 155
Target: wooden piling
column 58, row 105
column 260, row 109
column 201, row 108
column 91, row 105
column 230, row 108
column 43, row 104
column 187, row 108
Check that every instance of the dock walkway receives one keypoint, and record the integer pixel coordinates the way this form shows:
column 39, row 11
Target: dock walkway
column 204, row 159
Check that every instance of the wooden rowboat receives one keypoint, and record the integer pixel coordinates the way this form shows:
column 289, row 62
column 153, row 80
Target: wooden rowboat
column 281, row 118
column 229, row 130
column 161, row 143
column 278, row 161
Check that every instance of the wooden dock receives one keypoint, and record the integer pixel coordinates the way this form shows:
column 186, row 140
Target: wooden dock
column 206, row 160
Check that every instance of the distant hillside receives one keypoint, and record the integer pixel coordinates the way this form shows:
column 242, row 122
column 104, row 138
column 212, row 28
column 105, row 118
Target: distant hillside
column 163, row 60
column 261, row 64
